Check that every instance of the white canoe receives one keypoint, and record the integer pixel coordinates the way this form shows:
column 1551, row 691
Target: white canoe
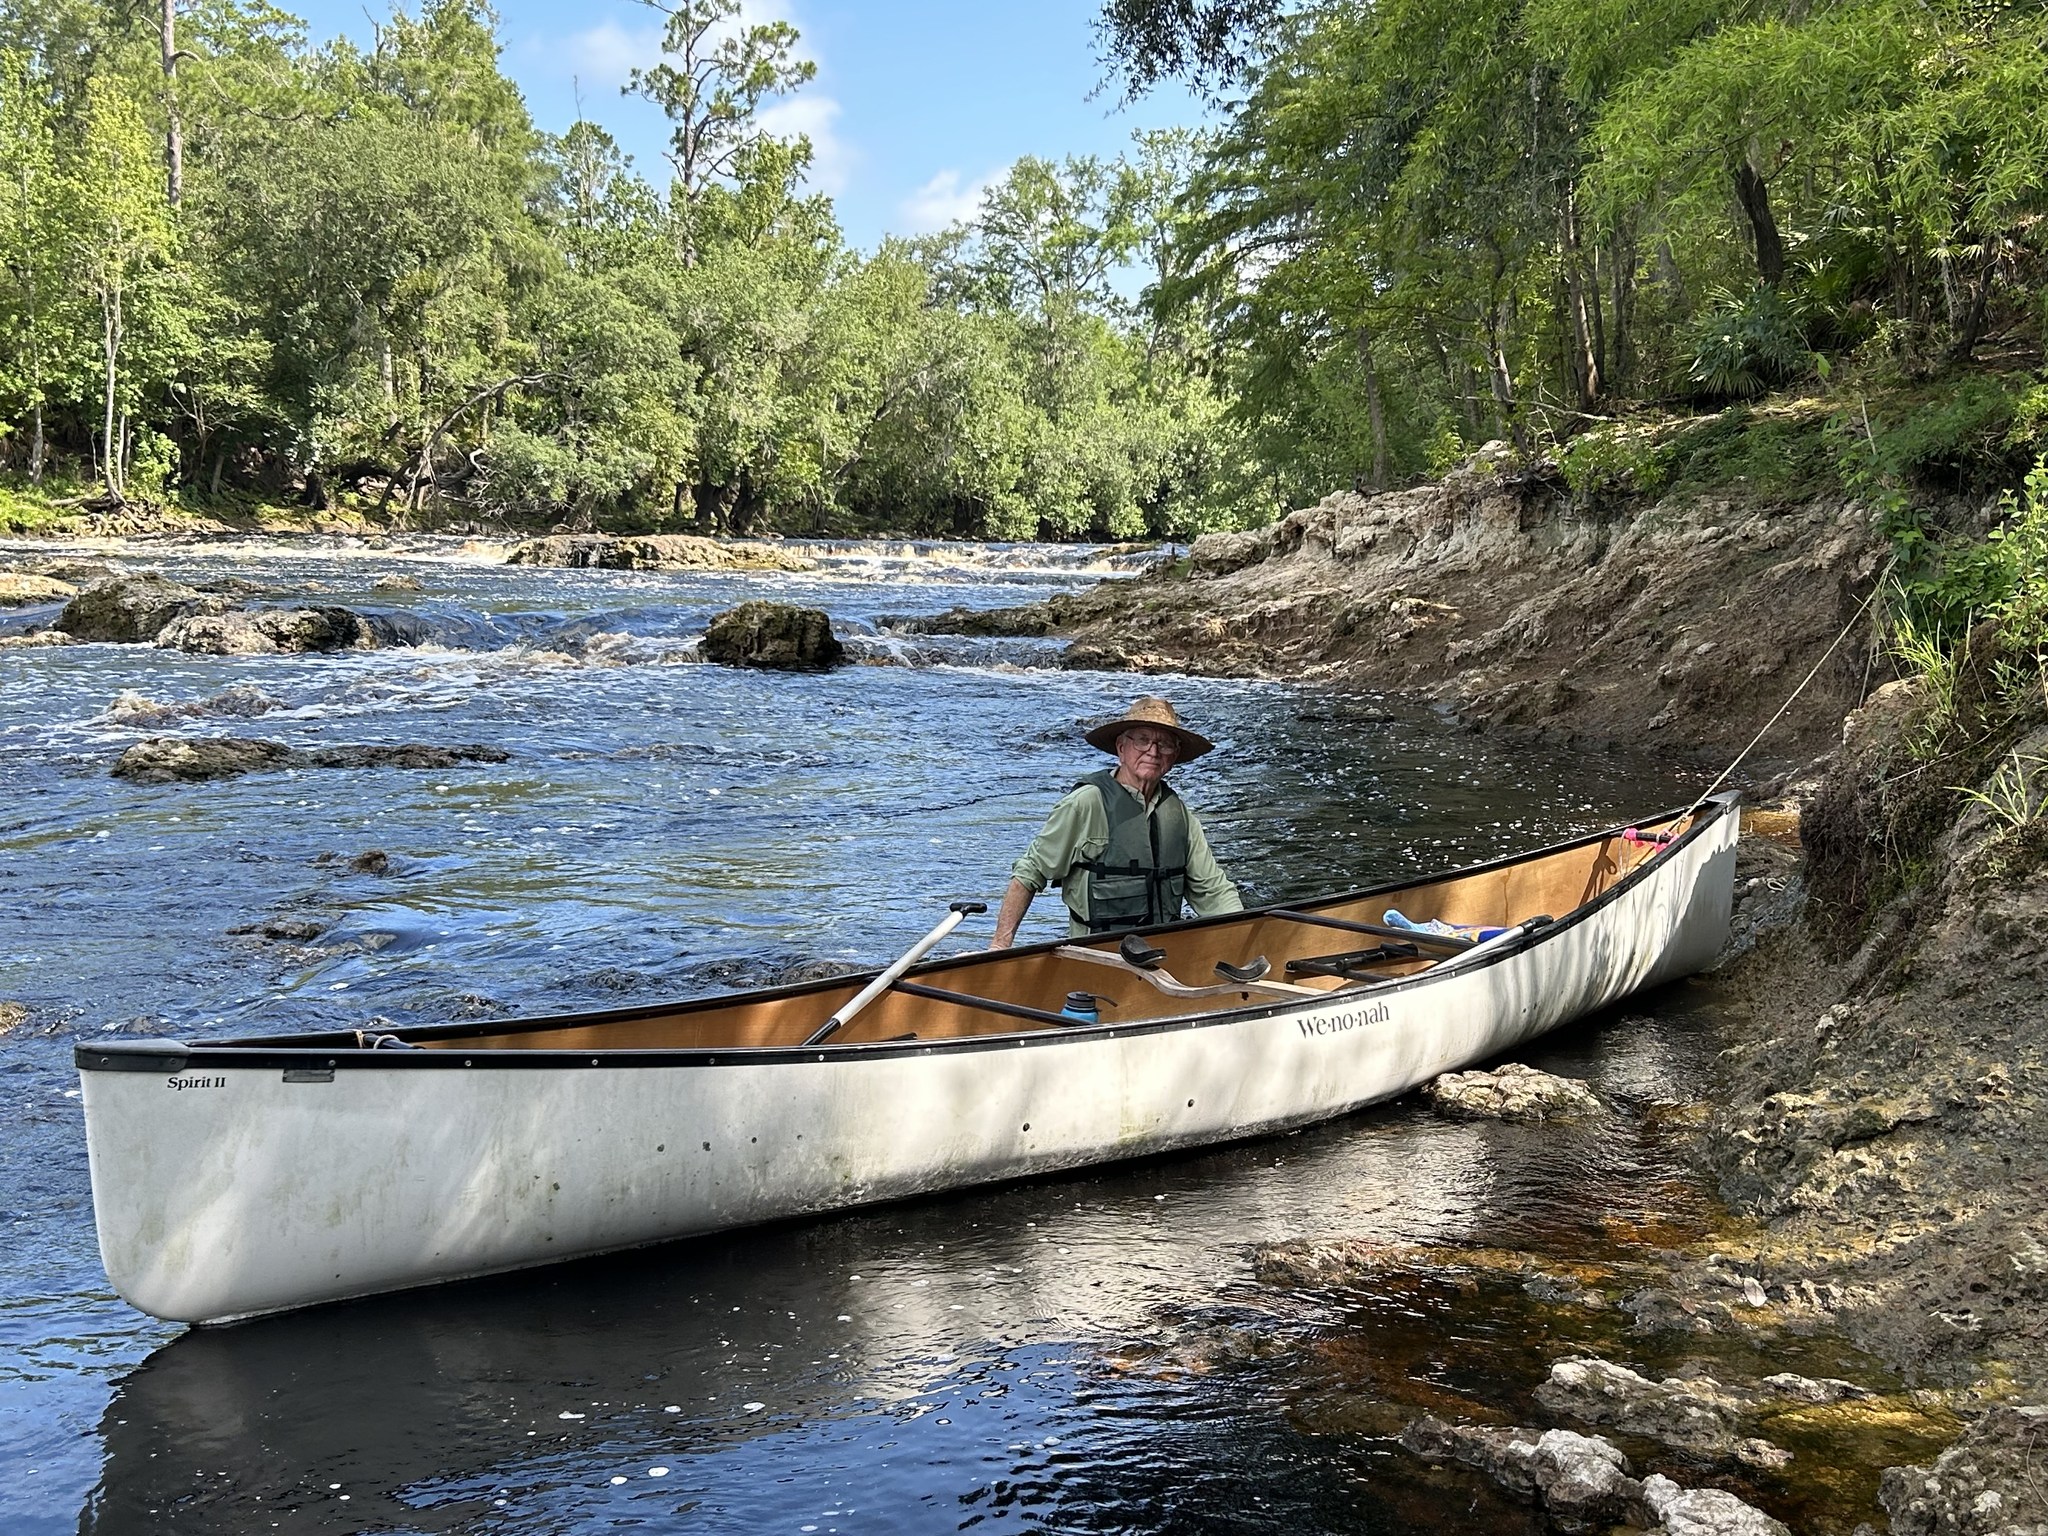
column 237, row 1177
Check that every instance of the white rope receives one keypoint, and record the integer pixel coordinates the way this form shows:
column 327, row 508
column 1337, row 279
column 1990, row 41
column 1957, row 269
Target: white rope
column 1854, row 619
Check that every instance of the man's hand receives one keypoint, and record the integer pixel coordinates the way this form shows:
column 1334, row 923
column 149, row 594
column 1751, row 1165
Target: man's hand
column 1016, row 902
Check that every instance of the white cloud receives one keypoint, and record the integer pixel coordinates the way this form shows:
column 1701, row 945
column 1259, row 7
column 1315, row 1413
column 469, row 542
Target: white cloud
column 832, row 158
column 606, row 54
column 943, row 201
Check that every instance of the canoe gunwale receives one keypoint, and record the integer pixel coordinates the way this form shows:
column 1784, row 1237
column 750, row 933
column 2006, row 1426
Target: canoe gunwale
column 337, row 1050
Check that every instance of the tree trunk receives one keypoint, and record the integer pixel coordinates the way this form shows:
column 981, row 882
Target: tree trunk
column 110, row 348
column 1375, row 409
column 1970, row 326
column 174, row 131
column 1672, row 279
column 1585, row 358
column 1621, row 279
column 1754, row 195
column 220, row 462
column 35, row 443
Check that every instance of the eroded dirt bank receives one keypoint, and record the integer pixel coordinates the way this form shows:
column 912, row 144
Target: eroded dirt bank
column 1884, row 1106
column 1678, row 624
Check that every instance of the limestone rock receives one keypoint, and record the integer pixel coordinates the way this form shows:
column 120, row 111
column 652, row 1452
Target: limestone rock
column 1704, row 1511
column 12, row 1016
column 1030, row 621
column 396, row 583
column 36, row 642
column 17, row 588
column 79, row 573
column 287, row 929
column 132, row 610
column 1808, row 1389
column 1218, row 554
column 1582, row 1481
column 268, row 632
column 410, row 755
column 653, row 552
column 1987, row 1484
column 776, row 636
column 240, row 701
column 1694, row 1415
column 1511, row 1092
column 171, row 759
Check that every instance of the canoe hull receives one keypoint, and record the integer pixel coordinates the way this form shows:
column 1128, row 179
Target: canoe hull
column 224, row 1190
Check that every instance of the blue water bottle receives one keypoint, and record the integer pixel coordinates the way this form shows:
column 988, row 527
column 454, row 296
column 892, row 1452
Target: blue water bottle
column 1081, row 1008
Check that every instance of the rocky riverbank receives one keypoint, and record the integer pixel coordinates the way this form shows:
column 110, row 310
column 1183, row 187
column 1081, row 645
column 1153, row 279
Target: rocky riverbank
column 1679, row 625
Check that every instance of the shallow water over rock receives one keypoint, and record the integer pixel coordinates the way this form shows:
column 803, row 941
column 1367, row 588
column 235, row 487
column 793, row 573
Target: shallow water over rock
column 1091, row 1353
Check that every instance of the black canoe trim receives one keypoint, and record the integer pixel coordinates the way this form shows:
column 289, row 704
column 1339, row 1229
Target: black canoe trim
column 339, row 1046
column 165, row 1056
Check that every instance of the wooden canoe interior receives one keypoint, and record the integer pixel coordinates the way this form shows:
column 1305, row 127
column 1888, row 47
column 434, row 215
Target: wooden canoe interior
column 1550, row 884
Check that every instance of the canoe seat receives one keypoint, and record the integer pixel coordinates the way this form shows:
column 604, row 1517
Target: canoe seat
column 1354, row 964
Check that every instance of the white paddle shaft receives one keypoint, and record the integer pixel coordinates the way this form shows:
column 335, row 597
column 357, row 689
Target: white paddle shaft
column 887, row 979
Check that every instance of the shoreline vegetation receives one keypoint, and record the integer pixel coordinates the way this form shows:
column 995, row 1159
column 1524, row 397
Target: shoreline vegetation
column 1645, row 357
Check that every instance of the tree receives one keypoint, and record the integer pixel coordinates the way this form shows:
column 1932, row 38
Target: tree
column 717, row 74
column 1210, row 42
column 122, row 246
column 31, row 248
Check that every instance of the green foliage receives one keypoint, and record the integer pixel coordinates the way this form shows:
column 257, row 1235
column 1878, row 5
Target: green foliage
column 1785, row 452
column 1748, row 343
column 383, row 283
column 1615, row 460
column 1971, row 621
column 1420, row 225
column 2017, row 793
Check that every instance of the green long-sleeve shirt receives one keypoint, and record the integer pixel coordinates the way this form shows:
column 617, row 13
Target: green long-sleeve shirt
column 1078, row 830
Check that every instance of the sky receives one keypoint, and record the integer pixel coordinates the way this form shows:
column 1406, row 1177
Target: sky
column 916, row 106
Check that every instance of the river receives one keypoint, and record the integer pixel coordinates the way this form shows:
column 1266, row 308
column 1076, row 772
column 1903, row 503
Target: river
column 1093, row 1352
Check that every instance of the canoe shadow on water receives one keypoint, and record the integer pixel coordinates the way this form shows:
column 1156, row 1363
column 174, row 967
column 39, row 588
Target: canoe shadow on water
column 427, row 1406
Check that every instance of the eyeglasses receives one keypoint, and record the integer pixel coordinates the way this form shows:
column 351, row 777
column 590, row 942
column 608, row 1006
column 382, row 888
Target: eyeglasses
column 1141, row 745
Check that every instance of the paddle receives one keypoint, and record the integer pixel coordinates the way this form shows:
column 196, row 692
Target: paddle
column 957, row 914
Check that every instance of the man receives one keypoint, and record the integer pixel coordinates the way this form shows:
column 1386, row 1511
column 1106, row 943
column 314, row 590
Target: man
column 1121, row 846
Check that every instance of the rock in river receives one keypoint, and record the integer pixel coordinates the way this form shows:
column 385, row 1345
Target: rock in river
column 17, row 588
column 653, row 552
column 268, row 632
column 1987, row 1484
column 173, row 759
column 777, row 636
column 168, row 759
column 1581, row 1481
column 1512, row 1092
column 132, row 610
column 1704, row 1511
column 1695, row 1414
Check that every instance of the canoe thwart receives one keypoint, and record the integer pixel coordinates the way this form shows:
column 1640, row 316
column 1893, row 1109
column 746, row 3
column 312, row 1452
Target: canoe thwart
column 1172, row 986
column 1443, row 941
column 984, row 1004
column 1354, row 965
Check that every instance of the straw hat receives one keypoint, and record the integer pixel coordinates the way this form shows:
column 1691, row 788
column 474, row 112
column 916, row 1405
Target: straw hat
column 1149, row 711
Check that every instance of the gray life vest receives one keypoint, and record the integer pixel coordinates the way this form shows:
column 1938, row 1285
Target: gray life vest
column 1141, row 876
